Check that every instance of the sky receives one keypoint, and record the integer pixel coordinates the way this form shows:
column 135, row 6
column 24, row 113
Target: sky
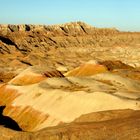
column 121, row 14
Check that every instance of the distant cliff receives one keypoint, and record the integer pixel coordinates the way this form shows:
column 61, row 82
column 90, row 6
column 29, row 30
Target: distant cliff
column 25, row 45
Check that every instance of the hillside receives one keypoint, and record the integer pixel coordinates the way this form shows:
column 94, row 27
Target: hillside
column 26, row 45
column 69, row 82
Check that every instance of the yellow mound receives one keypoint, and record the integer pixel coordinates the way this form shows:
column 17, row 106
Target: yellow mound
column 34, row 75
column 87, row 69
column 38, row 103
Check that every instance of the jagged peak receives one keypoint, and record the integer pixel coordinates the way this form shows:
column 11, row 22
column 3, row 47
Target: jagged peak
column 80, row 23
column 77, row 26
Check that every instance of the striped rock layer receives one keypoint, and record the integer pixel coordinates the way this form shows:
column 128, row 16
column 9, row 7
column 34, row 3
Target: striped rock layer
column 40, row 97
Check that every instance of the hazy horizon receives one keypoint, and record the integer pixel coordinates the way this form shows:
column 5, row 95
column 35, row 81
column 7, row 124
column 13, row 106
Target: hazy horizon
column 120, row 14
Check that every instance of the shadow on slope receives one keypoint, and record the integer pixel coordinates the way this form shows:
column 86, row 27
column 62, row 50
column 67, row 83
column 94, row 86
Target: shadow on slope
column 7, row 121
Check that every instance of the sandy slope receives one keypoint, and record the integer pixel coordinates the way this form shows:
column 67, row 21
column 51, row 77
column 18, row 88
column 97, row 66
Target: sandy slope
column 120, row 124
column 50, row 101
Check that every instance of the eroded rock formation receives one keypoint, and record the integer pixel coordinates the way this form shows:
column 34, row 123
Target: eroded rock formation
column 36, row 101
column 51, row 90
column 71, row 44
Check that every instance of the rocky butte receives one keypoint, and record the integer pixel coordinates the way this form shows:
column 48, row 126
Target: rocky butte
column 69, row 82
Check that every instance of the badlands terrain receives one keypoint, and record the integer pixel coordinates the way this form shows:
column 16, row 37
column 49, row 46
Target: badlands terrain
column 69, row 82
